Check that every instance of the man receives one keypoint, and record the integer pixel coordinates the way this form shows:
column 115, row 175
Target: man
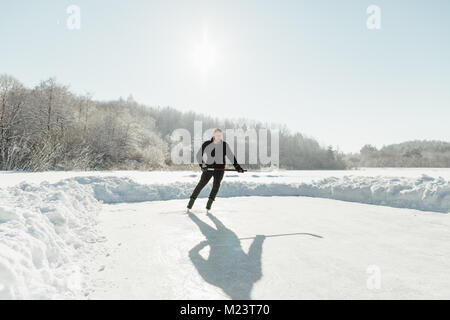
column 215, row 150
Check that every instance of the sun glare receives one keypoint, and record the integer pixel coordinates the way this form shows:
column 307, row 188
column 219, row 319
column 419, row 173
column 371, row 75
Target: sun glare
column 205, row 54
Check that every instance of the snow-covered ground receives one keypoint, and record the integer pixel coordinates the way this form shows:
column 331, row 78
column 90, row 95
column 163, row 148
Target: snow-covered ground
column 425, row 189
column 288, row 176
column 313, row 249
column 51, row 244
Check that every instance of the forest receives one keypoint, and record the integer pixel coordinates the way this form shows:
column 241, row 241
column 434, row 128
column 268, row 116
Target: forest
column 48, row 127
column 411, row 154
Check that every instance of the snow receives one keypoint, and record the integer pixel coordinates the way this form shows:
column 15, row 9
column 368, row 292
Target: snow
column 424, row 193
column 44, row 230
column 11, row 178
column 49, row 231
column 326, row 249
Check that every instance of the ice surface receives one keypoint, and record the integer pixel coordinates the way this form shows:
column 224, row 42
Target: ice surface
column 315, row 249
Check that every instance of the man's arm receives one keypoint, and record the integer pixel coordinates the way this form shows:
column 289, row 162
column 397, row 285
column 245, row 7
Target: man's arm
column 199, row 156
column 229, row 153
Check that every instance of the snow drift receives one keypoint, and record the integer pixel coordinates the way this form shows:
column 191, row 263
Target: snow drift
column 46, row 229
column 424, row 193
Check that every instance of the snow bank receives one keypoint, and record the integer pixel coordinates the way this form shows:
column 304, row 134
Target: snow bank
column 424, row 193
column 46, row 229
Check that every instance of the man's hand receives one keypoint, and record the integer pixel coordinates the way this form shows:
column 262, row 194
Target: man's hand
column 204, row 167
column 239, row 169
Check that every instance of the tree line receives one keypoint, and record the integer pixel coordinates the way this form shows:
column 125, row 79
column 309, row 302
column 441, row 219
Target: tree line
column 417, row 153
column 48, row 127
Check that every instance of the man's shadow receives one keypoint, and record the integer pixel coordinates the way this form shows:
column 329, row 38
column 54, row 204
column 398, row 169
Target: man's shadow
column 228, row 266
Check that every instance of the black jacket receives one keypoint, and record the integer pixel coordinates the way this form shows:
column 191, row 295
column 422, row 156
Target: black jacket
column 216, row 154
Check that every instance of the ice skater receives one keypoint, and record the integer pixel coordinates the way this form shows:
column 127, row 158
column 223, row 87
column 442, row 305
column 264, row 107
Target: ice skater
column 215, row 150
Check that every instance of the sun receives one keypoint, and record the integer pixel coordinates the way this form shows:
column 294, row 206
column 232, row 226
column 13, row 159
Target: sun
column 205, row 54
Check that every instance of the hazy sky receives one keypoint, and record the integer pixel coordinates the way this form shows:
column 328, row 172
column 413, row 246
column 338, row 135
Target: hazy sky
column 313, row 65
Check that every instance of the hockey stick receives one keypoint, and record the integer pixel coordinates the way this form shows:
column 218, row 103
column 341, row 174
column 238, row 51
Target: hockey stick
column 220, row 169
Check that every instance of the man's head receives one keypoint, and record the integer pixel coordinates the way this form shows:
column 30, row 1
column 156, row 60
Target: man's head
column 217, row 135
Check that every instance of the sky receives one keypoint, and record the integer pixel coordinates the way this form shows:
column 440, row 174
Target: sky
column 312, row 65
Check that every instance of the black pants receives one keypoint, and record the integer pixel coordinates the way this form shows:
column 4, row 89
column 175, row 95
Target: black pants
column 204, row 179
